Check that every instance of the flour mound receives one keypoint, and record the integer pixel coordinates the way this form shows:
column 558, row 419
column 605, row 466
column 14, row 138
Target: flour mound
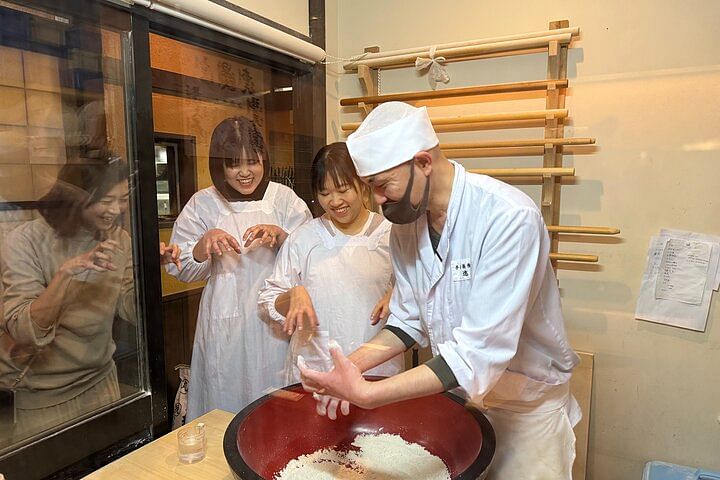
column 379, row 457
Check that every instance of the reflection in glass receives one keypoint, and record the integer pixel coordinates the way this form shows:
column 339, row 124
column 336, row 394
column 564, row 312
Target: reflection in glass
column 67, row 274
column 68, row 323
column 162, row 180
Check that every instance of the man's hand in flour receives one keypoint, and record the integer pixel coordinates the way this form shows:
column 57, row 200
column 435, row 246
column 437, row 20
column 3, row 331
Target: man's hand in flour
column 326, row 405
column 344, row 381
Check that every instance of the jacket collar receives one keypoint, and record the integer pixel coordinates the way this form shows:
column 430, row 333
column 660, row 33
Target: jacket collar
column 427, row 256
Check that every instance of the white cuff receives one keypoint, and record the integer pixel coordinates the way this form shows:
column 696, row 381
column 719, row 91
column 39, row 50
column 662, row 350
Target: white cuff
column 272, row 311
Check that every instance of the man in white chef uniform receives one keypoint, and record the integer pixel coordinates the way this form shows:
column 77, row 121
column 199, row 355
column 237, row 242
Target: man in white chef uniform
column 474, row 281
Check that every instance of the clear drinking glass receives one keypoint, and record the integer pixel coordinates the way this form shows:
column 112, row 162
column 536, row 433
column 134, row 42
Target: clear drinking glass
column 192, row 444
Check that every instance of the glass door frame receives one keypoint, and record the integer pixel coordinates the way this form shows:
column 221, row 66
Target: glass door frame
column 309, row 93
column 142, row 417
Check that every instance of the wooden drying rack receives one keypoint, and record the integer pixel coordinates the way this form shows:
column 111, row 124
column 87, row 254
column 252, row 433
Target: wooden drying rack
column 554, row 42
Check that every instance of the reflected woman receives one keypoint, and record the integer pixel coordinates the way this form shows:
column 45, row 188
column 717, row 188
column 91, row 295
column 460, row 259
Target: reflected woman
column 66, row 276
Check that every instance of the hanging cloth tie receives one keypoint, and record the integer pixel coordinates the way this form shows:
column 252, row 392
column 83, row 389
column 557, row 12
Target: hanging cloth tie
column 435, row 68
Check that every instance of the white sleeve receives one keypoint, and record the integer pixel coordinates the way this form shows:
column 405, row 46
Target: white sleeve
column 404, row 309
column 507, row 280
column 188, row 229
column 286, row 275
column 296, row 213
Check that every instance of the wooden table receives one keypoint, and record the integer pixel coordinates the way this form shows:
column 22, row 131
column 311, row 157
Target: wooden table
column 158, row 460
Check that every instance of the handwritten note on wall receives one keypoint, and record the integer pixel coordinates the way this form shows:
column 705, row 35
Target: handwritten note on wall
column 682, row 271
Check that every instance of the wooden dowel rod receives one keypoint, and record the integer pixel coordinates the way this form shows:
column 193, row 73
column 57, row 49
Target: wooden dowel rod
column 574, row 257
column 587, row 230
column 485, row 56
column 525, row 172
column 495, row 152
column 518, row 143
column 457, row 92
column 457, row 52
column 526, row 180
column 574, row 31
column 501, row 125
column 485, row 117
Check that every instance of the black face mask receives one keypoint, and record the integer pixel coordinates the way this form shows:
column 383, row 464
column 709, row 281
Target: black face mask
column 402, row 211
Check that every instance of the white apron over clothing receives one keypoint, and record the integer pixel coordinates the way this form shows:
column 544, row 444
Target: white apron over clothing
column 533, row 424
column 345, row 276
column 237, row 357
column 487, row 301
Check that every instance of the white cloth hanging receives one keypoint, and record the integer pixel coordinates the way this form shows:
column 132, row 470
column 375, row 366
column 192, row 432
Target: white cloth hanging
column 435, row 68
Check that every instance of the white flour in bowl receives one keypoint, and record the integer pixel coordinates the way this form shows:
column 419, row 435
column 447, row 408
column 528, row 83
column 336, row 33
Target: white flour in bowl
column 379, row 457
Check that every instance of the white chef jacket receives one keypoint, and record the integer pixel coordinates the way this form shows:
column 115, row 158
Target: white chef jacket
column 236, row 356
column 345, row 276
column 488, row 300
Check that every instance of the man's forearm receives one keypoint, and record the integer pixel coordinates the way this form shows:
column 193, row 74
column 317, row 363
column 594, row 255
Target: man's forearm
column 417, row 382
column 381, row 348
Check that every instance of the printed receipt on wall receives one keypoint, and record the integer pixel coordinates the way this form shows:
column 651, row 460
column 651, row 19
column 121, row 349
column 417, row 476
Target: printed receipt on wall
column 681, row 273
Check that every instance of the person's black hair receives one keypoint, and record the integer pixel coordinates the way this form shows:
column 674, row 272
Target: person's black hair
column 233, row 140
column 334, row 160
column 79, row 184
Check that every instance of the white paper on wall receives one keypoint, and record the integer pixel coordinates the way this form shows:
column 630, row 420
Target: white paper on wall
column 682, row 271
column 671, row 232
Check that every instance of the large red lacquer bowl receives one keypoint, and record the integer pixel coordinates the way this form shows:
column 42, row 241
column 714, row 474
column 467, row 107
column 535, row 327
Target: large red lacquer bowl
column 275, row 429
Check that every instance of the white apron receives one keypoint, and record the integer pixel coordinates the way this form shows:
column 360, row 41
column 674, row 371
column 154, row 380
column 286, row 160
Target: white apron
column 345, row 280
column 345, row 276
column 237, row 357
column 533, row 423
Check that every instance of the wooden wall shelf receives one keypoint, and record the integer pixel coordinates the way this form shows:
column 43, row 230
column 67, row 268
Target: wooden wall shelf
column 554, row 42
column 457, row 92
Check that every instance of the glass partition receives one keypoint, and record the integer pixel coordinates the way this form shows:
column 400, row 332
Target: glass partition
column 69, row 329
column 194, row 89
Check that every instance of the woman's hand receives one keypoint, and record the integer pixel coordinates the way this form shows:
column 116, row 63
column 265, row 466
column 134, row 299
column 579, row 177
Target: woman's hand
column 98, row 259
column 382, row 309
column 170, row 254
column 269, row 235
column 301, row 307
column 215, row 241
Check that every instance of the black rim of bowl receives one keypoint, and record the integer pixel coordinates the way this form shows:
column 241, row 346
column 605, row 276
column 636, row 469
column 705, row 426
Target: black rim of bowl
column 242, row 470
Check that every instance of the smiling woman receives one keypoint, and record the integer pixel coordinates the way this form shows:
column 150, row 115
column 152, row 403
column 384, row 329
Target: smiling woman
column 342, row 255
column 88, row 195
column 239, row 160
column 229, row 234
column 103, row 214
column 338, row 189
column 67, row 275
